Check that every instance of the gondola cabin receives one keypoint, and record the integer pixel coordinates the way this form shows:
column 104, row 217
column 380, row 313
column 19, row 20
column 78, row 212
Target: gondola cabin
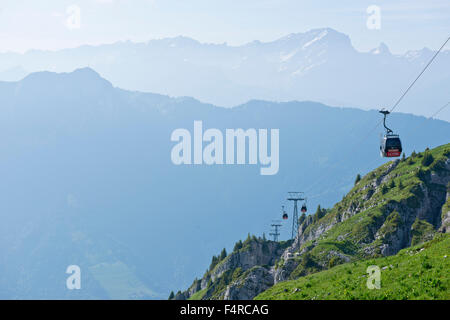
column 391, row 146
column 285, row 216
column 303, row 209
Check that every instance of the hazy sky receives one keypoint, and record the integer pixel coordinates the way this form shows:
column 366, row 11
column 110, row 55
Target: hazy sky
column 50, row 24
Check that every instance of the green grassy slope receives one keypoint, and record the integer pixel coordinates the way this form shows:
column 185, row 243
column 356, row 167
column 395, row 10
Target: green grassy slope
column 419, row 272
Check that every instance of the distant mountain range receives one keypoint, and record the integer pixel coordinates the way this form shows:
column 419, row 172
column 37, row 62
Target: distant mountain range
column 318, row 65
column 87, row 179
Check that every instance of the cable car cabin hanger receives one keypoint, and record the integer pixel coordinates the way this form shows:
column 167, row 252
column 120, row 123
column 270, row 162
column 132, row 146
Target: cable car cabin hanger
column 390, row 144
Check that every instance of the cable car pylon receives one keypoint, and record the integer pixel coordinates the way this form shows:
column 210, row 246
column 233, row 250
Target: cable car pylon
column 275, row 232
column 295, row 197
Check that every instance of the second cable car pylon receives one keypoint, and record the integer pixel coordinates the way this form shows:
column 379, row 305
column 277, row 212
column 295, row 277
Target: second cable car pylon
column 295, row 197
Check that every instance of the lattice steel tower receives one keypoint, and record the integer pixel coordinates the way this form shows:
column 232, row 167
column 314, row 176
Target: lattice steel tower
column 275, row 233
column 295, row 197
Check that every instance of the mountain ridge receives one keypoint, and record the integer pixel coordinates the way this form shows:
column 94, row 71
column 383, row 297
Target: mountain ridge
column 90, row 76
column 181, row 39
column 319, row 65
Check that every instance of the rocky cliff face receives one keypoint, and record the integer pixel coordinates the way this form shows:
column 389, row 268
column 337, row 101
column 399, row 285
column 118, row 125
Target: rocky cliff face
column 445, row 225
column 257, row 280
column 247, row 270
column 400, row 204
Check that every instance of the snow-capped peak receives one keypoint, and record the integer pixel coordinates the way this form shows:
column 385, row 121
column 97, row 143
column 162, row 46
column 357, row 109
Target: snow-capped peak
column 382, row 49
column 320, row 36
column 415, row 54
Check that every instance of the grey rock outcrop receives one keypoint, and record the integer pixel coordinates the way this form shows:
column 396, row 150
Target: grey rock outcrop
column 256, row 254
column 255, row 261
column 257, row 280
